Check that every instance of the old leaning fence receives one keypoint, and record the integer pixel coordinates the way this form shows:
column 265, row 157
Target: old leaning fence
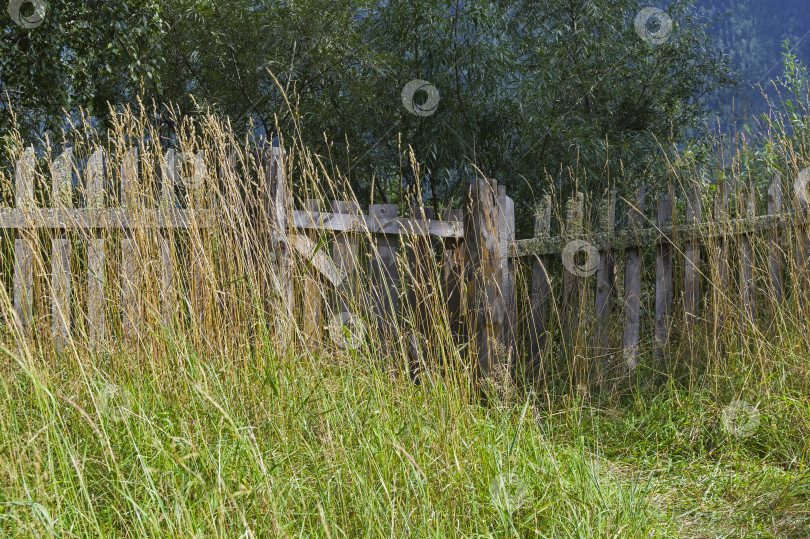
column 499, row 291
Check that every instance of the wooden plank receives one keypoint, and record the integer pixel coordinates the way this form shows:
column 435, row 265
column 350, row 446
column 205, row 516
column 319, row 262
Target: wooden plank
column 384, row 274
column 632, row 288
column 312, row 316
column 420, row 291
column 775, row 252
column 691, row 272
column 366, row 224
column 696, row 233
column 506, row 234
column 538, row 332
column 346, row 255
column 61, row 197
column 572, row 280
column 25, row 243
column 168, row 203
column 747, row 287
column 484, row 279
column 453, row 277
column 195, row 182
column 421, row 263
column 801, row 204
column 720, row 249
column 319, row 261
column 130, row 266
column 104, row 218
column 279, row 232
column 605, row 291
column 95, row 253
column 663, row 278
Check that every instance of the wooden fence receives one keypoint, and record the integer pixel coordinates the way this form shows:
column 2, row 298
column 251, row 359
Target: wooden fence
column 479, row 263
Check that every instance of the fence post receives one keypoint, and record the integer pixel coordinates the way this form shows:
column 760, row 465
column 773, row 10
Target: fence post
column 95, row 251
column 538, row 332
column 453, row 273
column 199, row 267
column 346, row 254
column 663, row 276
column 506, row 235
column 632, row 288
column 168, row 203
column 605, row 289
column 691, row 270
column 277, row 184
column 721, row 291
column 130, row 275
column 774, row 249
column 384, row 275
column 572, row 295
column 485, row 277
column 747, row 257
column 61, row 198
column 24, row 243
column 420, row 292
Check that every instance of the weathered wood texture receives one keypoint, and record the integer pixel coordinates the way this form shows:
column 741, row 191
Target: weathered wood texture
column 61, row 285
column 453, row 277
column 130, row 260
column 384, row 272
column 506, row 236
column 605, row 290
column 747, row 287
column 775, row 252
column 573, row 274
column 691, row 270
column 96, row 318
column 632, row 287
column 538, row 327
column 25, row 242
column 168, row 202
column 663, row 277
column 346, row 254
column 485, row 275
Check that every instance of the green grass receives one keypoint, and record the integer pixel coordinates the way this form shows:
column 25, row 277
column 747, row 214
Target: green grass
column 126, row 444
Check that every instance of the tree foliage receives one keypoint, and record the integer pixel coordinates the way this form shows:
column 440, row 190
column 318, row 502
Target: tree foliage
column 529, row 89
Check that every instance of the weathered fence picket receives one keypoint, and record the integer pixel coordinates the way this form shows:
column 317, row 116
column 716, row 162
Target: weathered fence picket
column 479, row 263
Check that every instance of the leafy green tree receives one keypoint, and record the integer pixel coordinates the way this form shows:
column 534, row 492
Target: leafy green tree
column 62, row 55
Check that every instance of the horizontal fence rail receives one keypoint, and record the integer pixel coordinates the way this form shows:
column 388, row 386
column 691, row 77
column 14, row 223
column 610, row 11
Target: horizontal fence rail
column 505, row 300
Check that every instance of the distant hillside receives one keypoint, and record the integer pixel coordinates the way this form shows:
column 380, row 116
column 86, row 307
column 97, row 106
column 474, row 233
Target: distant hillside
column 752, row 33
